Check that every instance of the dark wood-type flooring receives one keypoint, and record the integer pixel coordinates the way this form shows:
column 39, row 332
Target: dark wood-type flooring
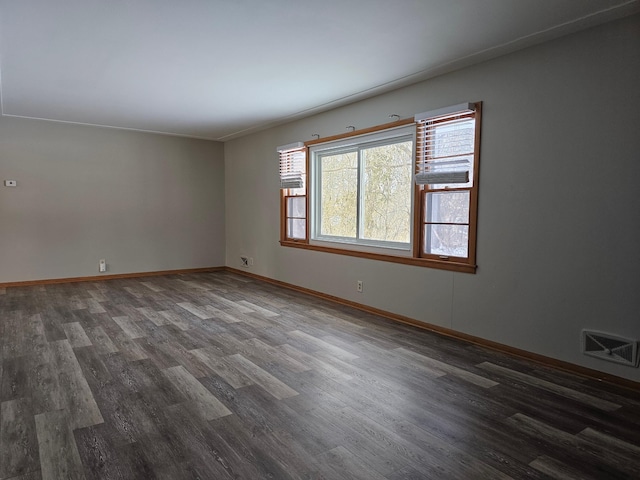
column 219, row 376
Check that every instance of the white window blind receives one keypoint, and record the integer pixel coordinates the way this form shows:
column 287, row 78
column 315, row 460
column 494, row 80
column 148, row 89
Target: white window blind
column 445, row 146
column 292, row 165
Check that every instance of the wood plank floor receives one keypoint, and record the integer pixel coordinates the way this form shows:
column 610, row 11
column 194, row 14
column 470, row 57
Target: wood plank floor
column 217, row 376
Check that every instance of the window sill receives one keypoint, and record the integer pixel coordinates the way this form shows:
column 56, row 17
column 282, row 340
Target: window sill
column 418, row 262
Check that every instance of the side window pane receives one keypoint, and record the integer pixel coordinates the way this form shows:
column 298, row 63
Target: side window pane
column 298, row 191
column 447, row 207
column 339, row 194
column 446, row 230
column 450, row 149
column 297, row 207
column 449, row 240
column 296, row 228
column 296, row 218
column 387, row 189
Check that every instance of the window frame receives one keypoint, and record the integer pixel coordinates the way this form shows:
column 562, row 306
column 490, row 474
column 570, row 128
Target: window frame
column 286, row 193
column 290, row 216
column 472, row 190
column 414, row 255
column 389, row 136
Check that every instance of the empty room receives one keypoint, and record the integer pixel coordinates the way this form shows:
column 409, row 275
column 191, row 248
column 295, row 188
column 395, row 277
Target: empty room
column 319, row 240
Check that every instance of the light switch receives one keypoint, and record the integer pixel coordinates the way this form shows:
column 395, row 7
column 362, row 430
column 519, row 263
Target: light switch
column 10, row 183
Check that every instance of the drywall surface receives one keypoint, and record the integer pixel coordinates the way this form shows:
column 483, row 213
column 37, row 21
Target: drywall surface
column 143, row 202
column 559, row 221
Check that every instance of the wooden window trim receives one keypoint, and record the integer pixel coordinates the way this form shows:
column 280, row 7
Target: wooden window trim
column 356, row 133
column 419, row 262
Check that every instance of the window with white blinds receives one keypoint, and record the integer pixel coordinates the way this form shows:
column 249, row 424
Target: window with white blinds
column 293, row 174
column 446, row 171
column 292, row 165
column 446, row 146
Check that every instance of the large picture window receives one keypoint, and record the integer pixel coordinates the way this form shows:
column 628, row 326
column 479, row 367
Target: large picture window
column 362, row 190
column 403, row 192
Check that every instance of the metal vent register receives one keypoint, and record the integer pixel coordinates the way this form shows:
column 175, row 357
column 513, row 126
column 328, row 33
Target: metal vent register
column 610, row 347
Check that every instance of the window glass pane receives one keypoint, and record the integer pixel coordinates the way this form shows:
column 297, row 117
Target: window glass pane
column 451, row 149
column 297, row 207
column 339, row 191
column 447, row 207
column 449, row 240
column 296, row 228
column 386, row 191
column 297, row 191
column 453, row 138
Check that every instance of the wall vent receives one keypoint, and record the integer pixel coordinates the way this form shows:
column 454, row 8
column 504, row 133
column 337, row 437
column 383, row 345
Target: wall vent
column 610, row 347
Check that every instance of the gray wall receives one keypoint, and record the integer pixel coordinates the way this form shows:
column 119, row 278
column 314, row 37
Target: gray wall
column 143, row 202
column 559, row 207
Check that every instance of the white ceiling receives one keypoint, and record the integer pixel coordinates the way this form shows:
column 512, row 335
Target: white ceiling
column 218, row 69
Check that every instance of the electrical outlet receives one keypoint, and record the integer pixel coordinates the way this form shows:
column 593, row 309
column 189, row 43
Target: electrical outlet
column 251, row 261
column 359, row 286
column 244, row 262
column 10, row 183
column 102, row 265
